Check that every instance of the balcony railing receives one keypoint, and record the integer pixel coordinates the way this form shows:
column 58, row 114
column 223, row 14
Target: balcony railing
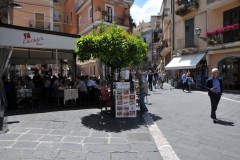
column 120, row 20
column 39, row 24
column 227, row 37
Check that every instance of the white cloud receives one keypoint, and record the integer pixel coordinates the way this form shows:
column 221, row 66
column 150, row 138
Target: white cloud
column 144, row 13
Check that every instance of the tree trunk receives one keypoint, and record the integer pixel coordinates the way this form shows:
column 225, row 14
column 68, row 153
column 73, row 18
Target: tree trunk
column 112, row 95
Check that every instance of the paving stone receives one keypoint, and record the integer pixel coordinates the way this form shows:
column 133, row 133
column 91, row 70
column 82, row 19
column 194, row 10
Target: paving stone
column 98, row 156
column 124, row 156
column 49, row 145
column 39, row 131
column 138, row 137
column 96, row 140
column 71, row 139
column 9, row 136
column 19, row 130
column 116, row 148
column 60, row 132
column 139, row 147
column 118, row 141
column 68, row 155
column 51, row 138
column 6, row 143
column 149, row 156
column 25, row 144
column 99, row 134
column 71, row 147
column 81, row 133
column 30, row 137
column 92, row 147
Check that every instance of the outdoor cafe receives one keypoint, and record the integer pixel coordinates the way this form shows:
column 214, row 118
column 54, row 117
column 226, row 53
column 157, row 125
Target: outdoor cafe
column 26, row 51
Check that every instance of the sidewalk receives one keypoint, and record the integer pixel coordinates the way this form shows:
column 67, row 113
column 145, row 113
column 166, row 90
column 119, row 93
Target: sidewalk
column 75, row 134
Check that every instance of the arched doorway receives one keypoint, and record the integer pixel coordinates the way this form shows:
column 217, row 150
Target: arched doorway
column 230, row 72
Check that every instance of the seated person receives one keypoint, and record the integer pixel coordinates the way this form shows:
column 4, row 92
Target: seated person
column 29, row 83
column 91, row 83
column 104, row 93
column 80, row 85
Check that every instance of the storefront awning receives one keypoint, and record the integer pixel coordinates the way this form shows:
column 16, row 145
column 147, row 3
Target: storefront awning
column 185, row 61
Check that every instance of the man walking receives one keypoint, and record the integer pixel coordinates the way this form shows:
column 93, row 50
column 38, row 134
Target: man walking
column 215, row 88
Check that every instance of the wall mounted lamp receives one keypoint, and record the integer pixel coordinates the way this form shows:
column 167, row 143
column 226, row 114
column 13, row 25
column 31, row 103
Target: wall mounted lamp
column 198, row 33
column 15, row 5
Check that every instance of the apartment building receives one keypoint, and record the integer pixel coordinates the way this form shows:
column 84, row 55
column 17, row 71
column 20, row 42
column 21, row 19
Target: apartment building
column 223, row 33
column 82, row 16
column 204, row 35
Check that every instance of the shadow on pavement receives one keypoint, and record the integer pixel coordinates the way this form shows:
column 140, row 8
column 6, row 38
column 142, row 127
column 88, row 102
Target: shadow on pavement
column 225, row 123
column 104, row 121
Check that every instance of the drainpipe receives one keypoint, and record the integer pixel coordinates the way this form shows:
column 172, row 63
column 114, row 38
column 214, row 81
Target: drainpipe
column 172, row 28
column 92, row 12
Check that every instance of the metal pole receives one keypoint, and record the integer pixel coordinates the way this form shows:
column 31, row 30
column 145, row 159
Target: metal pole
column 57, row 61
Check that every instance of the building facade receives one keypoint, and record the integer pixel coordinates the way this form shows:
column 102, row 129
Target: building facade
column 204, row 35
column 86, row 15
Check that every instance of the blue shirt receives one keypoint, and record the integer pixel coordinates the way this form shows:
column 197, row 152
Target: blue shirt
column 184, row 78
column 216, row 85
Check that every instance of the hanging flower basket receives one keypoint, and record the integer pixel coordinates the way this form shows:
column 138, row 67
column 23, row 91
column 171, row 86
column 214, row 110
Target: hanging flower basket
column 186, row 7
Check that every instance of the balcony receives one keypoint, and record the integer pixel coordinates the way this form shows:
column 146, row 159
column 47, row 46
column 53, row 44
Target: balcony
column 214, row 4
column 39, row 25
column 183, row 7
column 120, row 20
column 227, row 37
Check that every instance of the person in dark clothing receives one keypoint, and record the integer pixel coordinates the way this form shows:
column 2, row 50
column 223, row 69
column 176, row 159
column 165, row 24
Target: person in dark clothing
column 214, row 86
column 10, row 92
column 150, row 80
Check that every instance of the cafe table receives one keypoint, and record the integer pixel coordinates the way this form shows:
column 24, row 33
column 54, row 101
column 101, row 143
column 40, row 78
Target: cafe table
column 70, row 94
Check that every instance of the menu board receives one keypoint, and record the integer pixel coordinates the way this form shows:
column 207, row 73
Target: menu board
column 125, row 100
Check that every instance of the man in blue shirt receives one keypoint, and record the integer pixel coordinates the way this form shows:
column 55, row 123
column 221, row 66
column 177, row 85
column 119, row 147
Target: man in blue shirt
column 215, row 88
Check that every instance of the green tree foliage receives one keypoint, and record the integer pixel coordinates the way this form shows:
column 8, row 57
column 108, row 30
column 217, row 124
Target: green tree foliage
column 113, row 45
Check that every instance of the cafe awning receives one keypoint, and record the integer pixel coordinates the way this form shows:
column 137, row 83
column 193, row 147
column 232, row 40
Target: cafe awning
column 185, row 61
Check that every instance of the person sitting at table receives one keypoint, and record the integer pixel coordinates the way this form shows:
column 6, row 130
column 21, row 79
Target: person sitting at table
column 91, row 83
column 80, row 85
column 104, row 93
column 29, row 83
column 57, row 89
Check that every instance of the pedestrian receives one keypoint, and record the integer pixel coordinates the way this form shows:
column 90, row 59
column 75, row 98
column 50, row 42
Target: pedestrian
column 184, row 80
column 143, row 90
column 150, row 79
column 215, row 87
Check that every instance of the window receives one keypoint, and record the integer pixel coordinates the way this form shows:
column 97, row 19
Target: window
column 189, row 33
column 109, row 16
column 231, row 16
column 56, row 1
column 71, row 16
column 39, row 17
column 90, row 12
column 56, row 15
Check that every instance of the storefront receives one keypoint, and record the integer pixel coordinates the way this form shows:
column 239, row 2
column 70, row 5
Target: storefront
column 40, row 49
column 227, row 60
column 33, row 48
column 195, row 63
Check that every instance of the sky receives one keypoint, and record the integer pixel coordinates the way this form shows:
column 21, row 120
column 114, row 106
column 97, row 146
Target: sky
column 142, row 10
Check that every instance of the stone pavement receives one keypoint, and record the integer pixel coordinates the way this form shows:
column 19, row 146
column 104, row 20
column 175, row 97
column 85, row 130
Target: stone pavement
column 181, row 119
column 186, row 124
column 76, row 134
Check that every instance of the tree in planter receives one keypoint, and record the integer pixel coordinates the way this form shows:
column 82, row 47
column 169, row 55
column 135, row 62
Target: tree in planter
column 114, row 46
